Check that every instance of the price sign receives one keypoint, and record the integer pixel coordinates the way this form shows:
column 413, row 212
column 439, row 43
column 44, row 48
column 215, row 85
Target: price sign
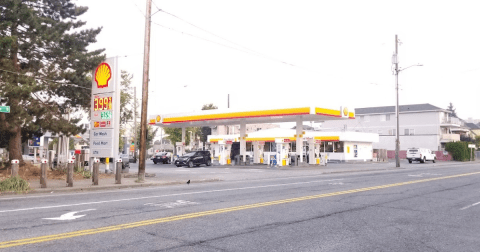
column 105, row 110
column 102, row 103
column 106, row 115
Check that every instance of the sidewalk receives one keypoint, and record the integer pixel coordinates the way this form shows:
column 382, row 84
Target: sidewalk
column 171, row 177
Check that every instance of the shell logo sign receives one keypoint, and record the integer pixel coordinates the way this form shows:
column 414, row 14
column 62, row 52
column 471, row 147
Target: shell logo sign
column 158, row 118
column 103, row 74
column 345, row 111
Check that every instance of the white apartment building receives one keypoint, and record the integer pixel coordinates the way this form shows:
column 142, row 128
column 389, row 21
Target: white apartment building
column 421, row 125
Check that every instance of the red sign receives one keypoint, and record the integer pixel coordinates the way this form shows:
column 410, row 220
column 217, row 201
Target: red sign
column 287, row 140
column 229, row 142
column 103, row 124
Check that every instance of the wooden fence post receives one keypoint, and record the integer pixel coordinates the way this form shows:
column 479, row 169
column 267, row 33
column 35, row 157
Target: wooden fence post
column 70, row 165
column 43, row 173
column 15, row 164
column 96, row 168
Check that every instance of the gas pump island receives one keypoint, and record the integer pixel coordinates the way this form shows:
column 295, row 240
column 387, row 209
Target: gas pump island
column 211, row 118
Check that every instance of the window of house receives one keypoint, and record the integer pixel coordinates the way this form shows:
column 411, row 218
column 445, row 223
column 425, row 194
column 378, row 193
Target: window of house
column 392, row 132
column 409, row 132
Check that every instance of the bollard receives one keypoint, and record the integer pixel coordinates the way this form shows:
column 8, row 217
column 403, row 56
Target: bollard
column 70, row 173
column 118, row 174
column 96, row 167
column 43, row 173
column 15, row 164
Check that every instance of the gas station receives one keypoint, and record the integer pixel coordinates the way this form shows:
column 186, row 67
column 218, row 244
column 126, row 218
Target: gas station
column 220, row 146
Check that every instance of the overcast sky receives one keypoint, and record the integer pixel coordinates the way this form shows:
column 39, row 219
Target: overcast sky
column 288, row 53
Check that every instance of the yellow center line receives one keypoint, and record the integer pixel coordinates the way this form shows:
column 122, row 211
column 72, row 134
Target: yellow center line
column 46, row 238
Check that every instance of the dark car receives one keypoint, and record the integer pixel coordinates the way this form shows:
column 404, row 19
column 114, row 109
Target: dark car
column 194, row 158
column 162, row 157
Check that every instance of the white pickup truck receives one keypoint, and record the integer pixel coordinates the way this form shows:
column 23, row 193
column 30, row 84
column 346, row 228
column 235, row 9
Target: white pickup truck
column 419, row 154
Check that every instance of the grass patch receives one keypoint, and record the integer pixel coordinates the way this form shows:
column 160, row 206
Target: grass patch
column 14, row 184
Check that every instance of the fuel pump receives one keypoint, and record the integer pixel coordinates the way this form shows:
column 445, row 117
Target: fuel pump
column 317, row 152
column 258, row 152
column 180, row 148
column 221, row 152
column 311, row 151
column 283, row 148
column 228, row 151
column 224, row 149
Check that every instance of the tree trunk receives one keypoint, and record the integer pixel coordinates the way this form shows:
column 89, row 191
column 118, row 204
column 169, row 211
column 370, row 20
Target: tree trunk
column 15, row 145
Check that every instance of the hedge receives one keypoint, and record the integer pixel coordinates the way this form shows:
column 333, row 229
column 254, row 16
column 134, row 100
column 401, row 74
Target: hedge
column 459, row 150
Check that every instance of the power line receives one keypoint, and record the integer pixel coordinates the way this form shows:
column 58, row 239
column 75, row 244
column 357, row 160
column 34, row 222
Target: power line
column 133, row 1
column 211, row 33
column 44, row 79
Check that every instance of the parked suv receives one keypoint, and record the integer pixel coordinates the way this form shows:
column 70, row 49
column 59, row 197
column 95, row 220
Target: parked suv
column 194, row 158
column 162, row 157
column 419, row 154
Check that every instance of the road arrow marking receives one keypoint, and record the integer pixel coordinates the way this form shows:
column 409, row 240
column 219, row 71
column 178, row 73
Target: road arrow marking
column 69, row 216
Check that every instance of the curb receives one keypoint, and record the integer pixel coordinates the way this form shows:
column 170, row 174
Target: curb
column 105, row 187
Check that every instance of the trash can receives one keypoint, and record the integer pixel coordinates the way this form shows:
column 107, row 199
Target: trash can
column 247, row 160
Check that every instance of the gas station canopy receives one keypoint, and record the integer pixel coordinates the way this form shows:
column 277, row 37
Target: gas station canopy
column 232, row 116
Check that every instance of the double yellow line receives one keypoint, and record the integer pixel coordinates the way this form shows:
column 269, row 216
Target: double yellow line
column 46, row 238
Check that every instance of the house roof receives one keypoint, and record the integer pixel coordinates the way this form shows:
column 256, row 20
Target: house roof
column 403, row 108
column 472, row 125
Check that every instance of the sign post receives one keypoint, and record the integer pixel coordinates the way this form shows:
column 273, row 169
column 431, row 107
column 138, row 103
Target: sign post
column 105, row 109
column 471, row 146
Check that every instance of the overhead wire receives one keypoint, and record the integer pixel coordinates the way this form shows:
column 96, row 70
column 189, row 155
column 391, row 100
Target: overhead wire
column 245, row 49
column 62, row 83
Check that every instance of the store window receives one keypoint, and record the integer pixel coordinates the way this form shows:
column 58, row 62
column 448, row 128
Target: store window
column 329, row 147
column 338, row 146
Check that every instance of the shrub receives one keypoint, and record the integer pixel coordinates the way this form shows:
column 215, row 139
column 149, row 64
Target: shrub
column 459, row 150
column 15, row 184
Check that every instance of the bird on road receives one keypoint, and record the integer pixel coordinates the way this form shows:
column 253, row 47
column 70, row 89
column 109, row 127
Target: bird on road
column 188, row 182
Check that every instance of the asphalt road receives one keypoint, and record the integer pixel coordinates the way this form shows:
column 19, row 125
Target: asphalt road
column 421, row 208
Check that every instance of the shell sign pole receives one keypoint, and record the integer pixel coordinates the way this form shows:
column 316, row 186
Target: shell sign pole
column 105, row 107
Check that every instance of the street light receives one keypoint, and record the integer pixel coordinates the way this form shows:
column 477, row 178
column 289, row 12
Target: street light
column 397, row 140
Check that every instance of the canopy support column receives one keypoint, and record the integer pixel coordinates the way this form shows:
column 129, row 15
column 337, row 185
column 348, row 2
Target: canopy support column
column 243, row 141
column 183, row 134
column 299, row 129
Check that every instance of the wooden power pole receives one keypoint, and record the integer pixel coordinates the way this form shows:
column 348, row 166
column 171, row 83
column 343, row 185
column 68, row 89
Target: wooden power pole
column 143, row 121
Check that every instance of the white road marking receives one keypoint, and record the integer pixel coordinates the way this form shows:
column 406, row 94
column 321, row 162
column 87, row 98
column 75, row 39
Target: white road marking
column 167, row 195
column 69, row 216
column 422, row 174
column 339, row 183
column 182, row 170
column 172, row 204
column 470, row 206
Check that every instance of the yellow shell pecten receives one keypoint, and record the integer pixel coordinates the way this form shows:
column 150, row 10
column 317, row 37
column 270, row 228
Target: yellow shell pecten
column 103, row 75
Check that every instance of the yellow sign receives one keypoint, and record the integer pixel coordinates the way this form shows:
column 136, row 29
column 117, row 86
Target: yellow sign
column 345, row 111
column 158, row 118
column 103, row 74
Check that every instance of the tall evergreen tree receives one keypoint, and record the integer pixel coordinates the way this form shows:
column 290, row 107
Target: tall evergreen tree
column 45, row 67
column 452, row 110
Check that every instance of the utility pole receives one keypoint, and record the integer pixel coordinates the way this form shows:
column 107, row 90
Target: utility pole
column 143, row 121
column 397, row 140
column 135, row 124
